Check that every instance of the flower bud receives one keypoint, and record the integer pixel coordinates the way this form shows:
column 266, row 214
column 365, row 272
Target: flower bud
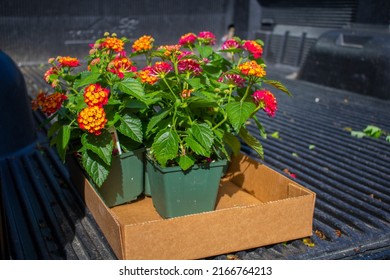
column 51, row 60
column 106, row 34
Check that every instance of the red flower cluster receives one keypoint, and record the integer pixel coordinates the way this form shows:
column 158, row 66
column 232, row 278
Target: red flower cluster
column 187, row 39
column 189, row 66
column 254, row 48
column 48, row 104
column 161, row 68
column 266, row 100
column 231, row 44
column 207, row 37
column 120, row 65
column 232, row 79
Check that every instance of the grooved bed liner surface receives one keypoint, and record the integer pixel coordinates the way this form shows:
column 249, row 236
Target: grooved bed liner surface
column 351, row 177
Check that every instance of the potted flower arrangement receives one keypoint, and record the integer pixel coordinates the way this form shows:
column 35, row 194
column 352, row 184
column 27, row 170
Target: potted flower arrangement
column 204, row 99
column 188, row 110
column 96, row 111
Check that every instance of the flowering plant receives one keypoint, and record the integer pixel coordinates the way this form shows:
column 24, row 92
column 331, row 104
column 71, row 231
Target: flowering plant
column 205, row 97
column 95, row 110
column 187, row 105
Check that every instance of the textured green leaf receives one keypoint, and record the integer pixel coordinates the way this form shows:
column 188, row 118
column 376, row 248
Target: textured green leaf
column 156, row 119
column 278, row 85
column 133, row 87
column 196, row 147
column 252, row 142
column 186, row 162
column 62, row 141
column 239, row 112
column 373, row 131
column 86, row 78
column 205, row 51
column 358, row 134
column 232, row 142
column 97, row 169
column 165, row 146
column 203, row 134
column 260, row 127
column 102, row 145
column 54, row 128
column 131, row 126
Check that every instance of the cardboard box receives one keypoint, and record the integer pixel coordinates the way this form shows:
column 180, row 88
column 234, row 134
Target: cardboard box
column 256, row 206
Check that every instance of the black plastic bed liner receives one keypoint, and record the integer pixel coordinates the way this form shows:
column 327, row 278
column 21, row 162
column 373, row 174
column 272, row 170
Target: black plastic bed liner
column 47, row 219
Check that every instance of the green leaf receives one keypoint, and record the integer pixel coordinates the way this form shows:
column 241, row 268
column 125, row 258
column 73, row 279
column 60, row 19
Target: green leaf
column 102, row 145
column 203, row 134
column 373, row 131
column 86, row 78
column 165, row 146
column 62, row 141
column 196, row 147
column 275, row 135
column 239, row 112
column 252, row 142
column 133, row 87
column 312, row 147
column 53, row 129
column 358, row 134
column 232, row 142
column 278, row 85
column 205, row 51
column 388, row 138
column 260, row 127
column 97, row 169
column 156, row 119
column 131, row 126
column 195, row 83
column 294, row 154
column 186, row 162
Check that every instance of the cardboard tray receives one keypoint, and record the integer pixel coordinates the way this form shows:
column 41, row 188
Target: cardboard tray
column 256, row 206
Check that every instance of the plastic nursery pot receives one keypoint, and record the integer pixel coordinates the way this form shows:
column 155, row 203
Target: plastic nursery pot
column 125, row 181
column 176, row 192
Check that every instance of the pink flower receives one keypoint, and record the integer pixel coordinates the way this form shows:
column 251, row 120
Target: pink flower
column 161, row 68
column 254, row 48
column 187, row 39
column 189, row 66
column 266, row 100
column 232, row 79
column 207, row 37
column 231, row 44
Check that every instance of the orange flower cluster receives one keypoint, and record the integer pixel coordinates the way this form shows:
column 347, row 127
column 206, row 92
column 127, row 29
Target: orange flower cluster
column 68, row 61
column 170, row 50
column 92, row 119
column 146, row 76
column 95, row 95
column 186, row 93
column 121, row 65
column 48, row 104
column 143, row 44
column 113, row 43
column 251, row 68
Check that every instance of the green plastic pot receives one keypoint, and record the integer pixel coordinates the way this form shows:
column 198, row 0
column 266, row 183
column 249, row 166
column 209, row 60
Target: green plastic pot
column 176, row 192
column 125, row 181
